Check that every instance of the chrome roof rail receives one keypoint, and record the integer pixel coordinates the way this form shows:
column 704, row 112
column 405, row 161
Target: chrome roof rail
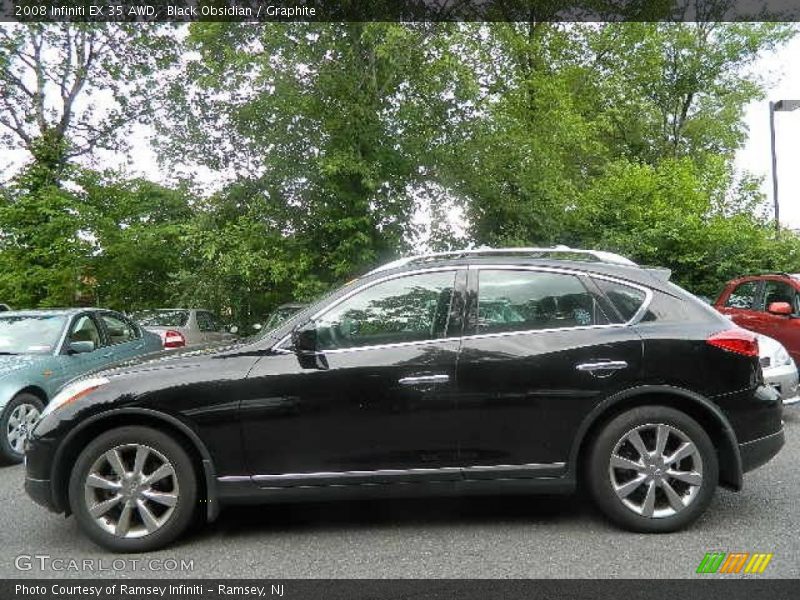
column 560, row 252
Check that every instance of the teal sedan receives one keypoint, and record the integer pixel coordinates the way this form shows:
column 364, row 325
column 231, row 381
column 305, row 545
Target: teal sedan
column 41, row 350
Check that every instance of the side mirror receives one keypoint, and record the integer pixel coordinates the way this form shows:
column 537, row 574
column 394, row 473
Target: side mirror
column 80, row 347
column 304, row 343
column 304, row 338
column 779, row 308
column 233, row 329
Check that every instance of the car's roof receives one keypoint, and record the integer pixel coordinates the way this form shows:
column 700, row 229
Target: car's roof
column 633, row 273
column 48, row 311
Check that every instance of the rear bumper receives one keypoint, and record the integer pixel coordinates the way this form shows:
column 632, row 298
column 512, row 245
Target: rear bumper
column 757, row 452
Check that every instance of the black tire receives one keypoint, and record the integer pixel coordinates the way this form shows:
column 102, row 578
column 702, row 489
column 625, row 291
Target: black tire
column 8, row 454
column 181, row 483
column 603, row 481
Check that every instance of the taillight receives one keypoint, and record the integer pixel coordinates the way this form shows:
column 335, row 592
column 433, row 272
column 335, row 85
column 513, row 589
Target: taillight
column 174, row 339
column 739, row 341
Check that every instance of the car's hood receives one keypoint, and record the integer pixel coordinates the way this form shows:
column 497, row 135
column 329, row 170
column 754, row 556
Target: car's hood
column 11, row 363
column 173, row 359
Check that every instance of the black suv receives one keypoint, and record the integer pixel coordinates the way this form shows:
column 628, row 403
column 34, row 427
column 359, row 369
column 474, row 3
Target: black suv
column 492, row 371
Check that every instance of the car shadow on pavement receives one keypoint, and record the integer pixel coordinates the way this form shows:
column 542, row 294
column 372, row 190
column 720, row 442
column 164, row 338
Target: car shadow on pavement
column 443, row 512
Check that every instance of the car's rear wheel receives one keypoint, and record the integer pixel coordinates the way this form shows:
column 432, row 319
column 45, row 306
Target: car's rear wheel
column 17, row 420
column 653, row 469
column 133, row 489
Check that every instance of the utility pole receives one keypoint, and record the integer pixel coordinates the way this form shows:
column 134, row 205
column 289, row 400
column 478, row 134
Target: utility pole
column 780, row 105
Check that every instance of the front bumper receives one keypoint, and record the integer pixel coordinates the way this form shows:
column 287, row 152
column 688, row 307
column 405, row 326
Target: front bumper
column 784, row 380
column 758, row 452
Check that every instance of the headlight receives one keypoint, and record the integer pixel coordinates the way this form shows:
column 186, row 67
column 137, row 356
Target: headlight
column 73, row 392
column 781, row 357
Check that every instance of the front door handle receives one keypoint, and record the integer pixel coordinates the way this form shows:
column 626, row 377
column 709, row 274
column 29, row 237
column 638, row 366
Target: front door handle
column 424, row 379
column 602, row 365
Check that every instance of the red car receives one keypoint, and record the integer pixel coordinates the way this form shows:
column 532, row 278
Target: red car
column 767, row 304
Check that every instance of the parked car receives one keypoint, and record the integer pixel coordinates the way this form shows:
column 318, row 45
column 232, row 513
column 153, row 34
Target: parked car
column 4, row 307
column 767, row 304
column 780, row 371
column 179, row 327
column 43, row 349
column 403, row 383
column 283, row 313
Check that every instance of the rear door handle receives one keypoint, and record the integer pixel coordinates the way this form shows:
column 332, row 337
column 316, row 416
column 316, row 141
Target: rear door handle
column 602, row 365
column 424, row 379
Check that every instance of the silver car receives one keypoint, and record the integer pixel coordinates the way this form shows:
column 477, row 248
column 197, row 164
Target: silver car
column 779, row 369
column 181, row 327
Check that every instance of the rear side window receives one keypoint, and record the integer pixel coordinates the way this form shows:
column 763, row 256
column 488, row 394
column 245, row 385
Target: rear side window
column 528, row 300
column 743, row 295
column 119, row 330
column 626, row 299
column 206, row 321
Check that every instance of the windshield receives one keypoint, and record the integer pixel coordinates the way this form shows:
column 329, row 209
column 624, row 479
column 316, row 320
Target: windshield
column 281, row 314
column 162, row 318
column 26, row 334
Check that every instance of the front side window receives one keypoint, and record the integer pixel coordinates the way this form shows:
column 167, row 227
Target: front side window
column 743, row 296
column 528, row 300
column 119, row 330
column 779, row 291
column 406, row 309
column 84, row 329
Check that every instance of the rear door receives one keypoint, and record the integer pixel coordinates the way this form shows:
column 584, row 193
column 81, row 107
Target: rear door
column 124, row 338
column 540, row 349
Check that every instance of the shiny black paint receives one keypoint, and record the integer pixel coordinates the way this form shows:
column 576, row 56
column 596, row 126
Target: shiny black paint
column 515, row 411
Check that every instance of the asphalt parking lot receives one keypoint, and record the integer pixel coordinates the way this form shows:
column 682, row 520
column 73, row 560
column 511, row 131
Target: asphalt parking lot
column 514, row 537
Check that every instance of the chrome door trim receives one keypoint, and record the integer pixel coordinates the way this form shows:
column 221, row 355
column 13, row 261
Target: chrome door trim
column 310, row 477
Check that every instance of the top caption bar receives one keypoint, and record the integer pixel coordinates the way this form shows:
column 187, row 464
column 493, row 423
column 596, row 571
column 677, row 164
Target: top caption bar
column 255, row 11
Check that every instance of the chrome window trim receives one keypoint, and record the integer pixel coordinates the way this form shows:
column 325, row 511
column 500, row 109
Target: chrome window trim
column 454, row 268
column 576, row 273
column 500, row 267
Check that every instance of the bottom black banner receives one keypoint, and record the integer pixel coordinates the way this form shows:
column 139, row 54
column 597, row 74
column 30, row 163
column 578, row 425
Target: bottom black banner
column 431, row 589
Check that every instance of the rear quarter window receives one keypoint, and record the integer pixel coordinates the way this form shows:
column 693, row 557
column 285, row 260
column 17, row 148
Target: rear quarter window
column 626, row 300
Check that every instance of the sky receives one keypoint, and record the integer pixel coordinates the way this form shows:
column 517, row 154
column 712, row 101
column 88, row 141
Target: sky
column 779, row 69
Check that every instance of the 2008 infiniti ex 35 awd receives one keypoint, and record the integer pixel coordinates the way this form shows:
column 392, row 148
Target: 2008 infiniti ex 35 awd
column 491, row 371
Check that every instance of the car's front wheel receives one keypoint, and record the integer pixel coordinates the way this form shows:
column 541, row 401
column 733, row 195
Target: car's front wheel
column 133, row 489
column 16, row 421
column 653, row 469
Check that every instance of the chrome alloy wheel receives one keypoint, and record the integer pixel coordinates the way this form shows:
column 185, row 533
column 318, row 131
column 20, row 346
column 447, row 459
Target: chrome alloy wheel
column 20, row 423
column 131, row 491
column 656, row 471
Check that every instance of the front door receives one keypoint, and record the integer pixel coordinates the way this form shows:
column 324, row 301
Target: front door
column 84, row 328
column 377, row 403
column 540, row 349
column 784, row 328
